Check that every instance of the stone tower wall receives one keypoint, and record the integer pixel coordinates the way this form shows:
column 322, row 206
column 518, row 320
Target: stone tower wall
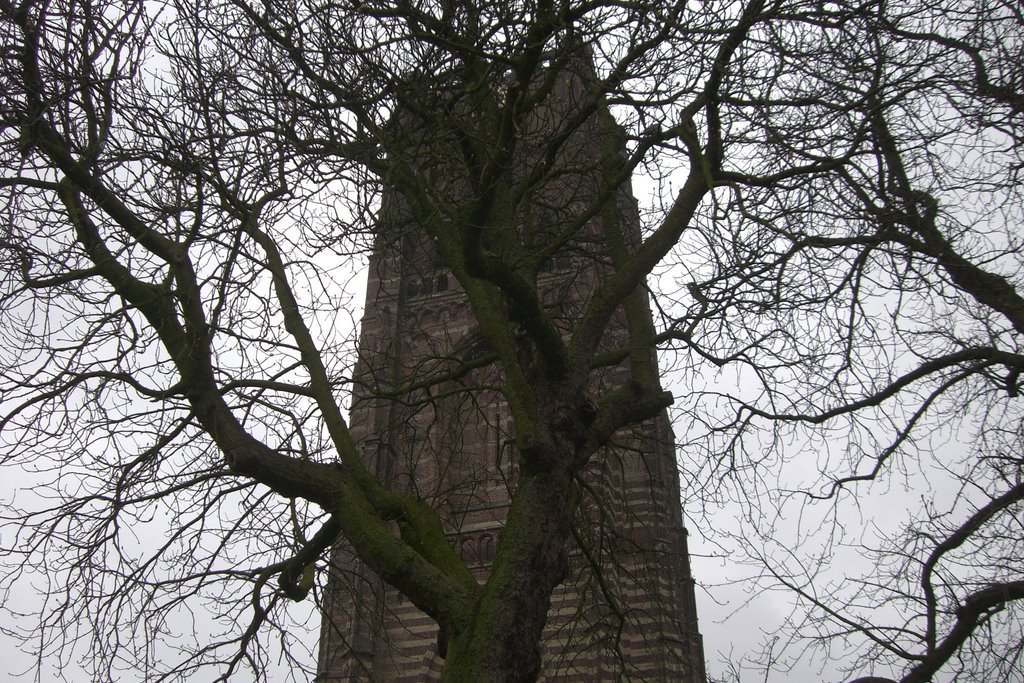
column 627, row 612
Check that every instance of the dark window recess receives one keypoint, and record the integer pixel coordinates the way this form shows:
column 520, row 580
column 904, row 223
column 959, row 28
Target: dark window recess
column 555, row 263
column 486, row 549
column 415, row 288
column 480, row 348
column 469, row 550
column 476, row 550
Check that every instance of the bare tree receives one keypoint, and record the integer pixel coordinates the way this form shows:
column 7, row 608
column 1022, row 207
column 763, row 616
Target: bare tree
column 864, row 272
column 836, row 200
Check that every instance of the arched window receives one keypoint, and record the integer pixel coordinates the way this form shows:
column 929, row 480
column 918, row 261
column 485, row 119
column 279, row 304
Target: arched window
column 468, row 550
column 487, row 549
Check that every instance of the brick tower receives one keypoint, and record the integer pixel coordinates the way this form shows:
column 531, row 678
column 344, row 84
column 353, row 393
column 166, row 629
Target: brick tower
column 627, row 612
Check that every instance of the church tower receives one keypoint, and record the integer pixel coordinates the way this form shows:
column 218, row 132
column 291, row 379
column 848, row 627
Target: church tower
column 626, row 612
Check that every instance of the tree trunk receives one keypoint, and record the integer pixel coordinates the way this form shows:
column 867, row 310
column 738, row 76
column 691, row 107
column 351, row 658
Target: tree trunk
column 502, row 642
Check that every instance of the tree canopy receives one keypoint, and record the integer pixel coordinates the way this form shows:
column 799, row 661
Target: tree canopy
column 830, row 238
